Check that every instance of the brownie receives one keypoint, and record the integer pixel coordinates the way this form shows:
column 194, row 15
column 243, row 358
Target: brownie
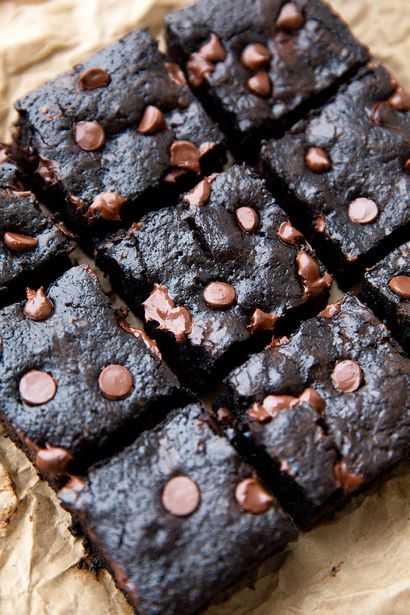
column 387, row 290
column 178, row 515
column 325, row 412
column 257, row 65
column 34, row 247
column 76, row 382
column 344, row 172
column 214, row 276
column 106, row 140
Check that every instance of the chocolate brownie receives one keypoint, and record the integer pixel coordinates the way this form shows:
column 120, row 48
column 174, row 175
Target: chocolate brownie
column 106, row 139
column 387, row 290
column 216, row 274
column 325, row 412
column 257, row 65
column 33, row 246
column 178, row 515
column 76, row 383
column 345, row 172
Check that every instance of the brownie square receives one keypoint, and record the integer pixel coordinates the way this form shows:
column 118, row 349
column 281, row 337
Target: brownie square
column 107, row 139
column 76, row 383
column 257, row 65
column 387, row 290
column 33, row 247
column 214, row 276
column 178, row 515
column 325, row 412
column 345, row 172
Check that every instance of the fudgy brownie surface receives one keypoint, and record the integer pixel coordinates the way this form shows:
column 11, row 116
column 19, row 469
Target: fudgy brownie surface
column 257, row 63
column 387, row 290
column 179, row 516
column 346, row 366
column 214, row 273
column 107, row 137
column 73, row 378
column 345, row 170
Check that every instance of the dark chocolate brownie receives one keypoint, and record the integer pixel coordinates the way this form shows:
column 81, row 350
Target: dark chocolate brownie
column 33, row 248
column 345, row 171
column 105, row 139
column 76, row 383
column 257, row 65
column 387, row 290
column 178, row 515
column 215, row 274
column 345, row 365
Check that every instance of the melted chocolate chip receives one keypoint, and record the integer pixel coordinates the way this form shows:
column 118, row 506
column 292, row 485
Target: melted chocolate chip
column 107, row 206
column 219, row 295
column 152, row 121
column 93, row 78
column 160, row 307
column 345, row 479
column 330, row 310
column 274, row 403
column 199, row 195
column 198, row 69
column 309, row 271
column 261, row 321
column 255, row 56
column 400, row 100
column 258, row 413
column 138, row 333
column 247, row 218
column 37, row 387
column 181, row 496
column 288, row 234
column 319, row 224
column 312, row 397
column 252, row 496
column 69, row 493
column 212, row 50
column 317, row 160
column 260, row 84
column 53, row 460
column 407, row 165
column 347, row 376
column 290, row 17
column 400, row 285
column 363, row 211
column 185, row 155
column 115, row 382
column 89, row 136
column 48, row 171
column 38, row 306
column 175, row 74
column 16, row 242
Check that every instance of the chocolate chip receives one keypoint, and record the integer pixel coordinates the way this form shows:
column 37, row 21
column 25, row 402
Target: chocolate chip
column 37, row 387
column 38, row 306
column 174, row 175
column 363, row 211
column 347, row 376
column 317, row 160
column 175, row 74
column 407, row 165
column 330, row 310
column 219, row 295
column 400, row 100
column 261, row 321
column 252, row 496
column 255, row 56
column 224, row 416
column 260, row 84
column 290, row 17
column 212, row 50
column 312, row 397
column 69, row 493
column 258, row 413
column 185, row 155
column 181, row 496
column 89, row 136
column 53, row 460
column 198, row 69
column 160, row 307
column 345, row 479
column 247, row 218
column 319, row 224
column 152, row 121
column 115, row 382
column 93, row 78
column 308, row 269
column 19, row 243
column 106, row 205
column 274, row 403
column 400, row 285
column 199, row 195
column 288, row 234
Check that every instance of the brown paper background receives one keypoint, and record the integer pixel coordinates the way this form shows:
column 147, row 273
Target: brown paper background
column 357, row 564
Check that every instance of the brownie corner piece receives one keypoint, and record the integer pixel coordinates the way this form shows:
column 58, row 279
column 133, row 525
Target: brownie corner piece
column 178, row 516
column 344, row 172
column 107, row 140
column 76, row 382
column 258, row 65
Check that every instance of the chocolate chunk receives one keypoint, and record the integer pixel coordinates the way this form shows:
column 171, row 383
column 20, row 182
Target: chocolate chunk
column 260, row 84
column 400, row 100
column 219, row 295
column 346, row 480
column 347, row 376
column 400, row 285
column 198, row 69
column 106, row 205
column 152, row 121
column 199, row 195
column 212, row 50
column 312, row 397
column 19, row 243
column 160, row 308
column 261, row 321
column 175, row 74
column 252, row 496
column 38, row 306
column 185, row 155
column 288, row 234
column 290, row 18
column 37, row 387
column 181, row 496
column 93, row 78
column 309, row 271
column 363, row 211
column 255, row 56
column 53, row 460
column 248, row 219
column 317, row 159
column 89, row 136
column 115, row 382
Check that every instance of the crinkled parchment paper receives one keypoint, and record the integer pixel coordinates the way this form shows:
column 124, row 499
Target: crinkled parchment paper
column 357, row 564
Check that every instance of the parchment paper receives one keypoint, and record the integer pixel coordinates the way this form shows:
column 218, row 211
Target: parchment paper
column 357, row 564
